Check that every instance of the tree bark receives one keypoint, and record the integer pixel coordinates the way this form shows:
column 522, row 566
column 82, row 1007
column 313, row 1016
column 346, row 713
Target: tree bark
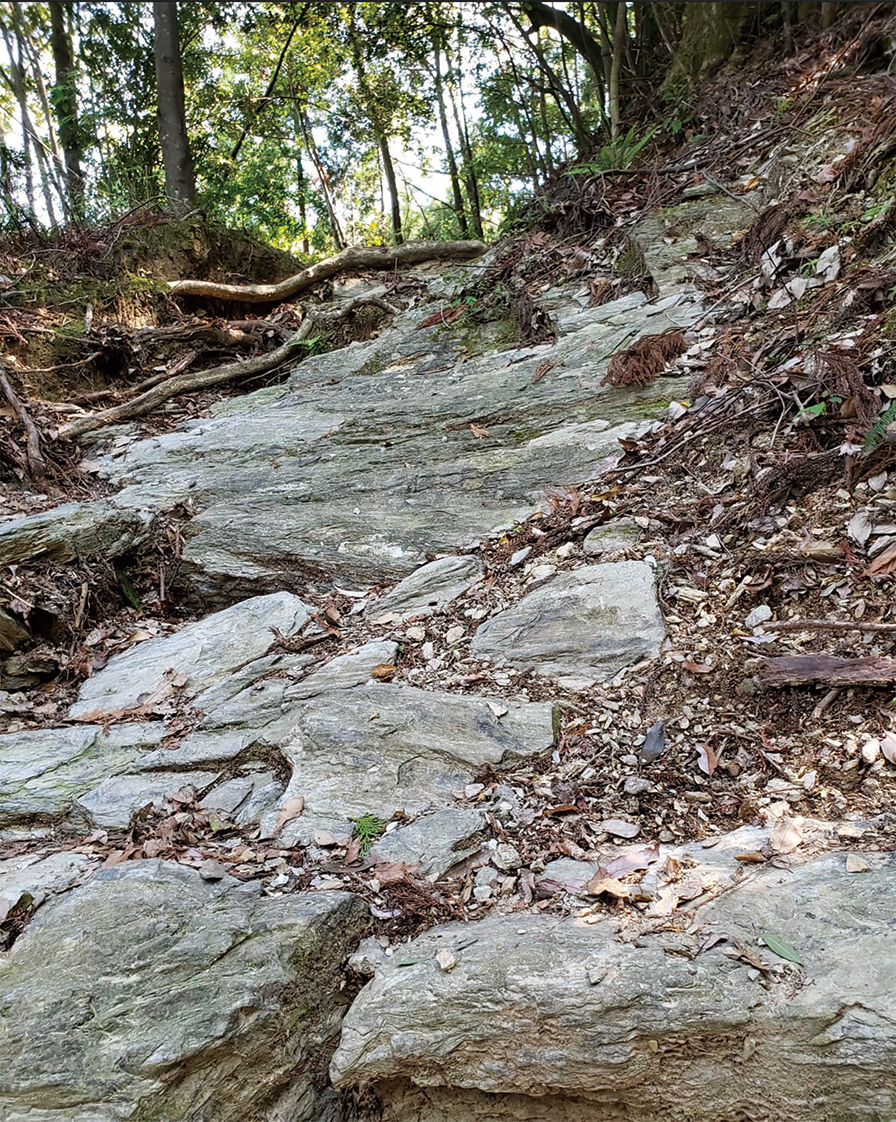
column 449, row 147
column 67, row 107
column 335, row 227
column 620, row 38
column 468, row 170
column 180, row 185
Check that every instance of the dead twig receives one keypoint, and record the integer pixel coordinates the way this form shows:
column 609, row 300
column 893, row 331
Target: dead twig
column 828, row 625
column 36, row 463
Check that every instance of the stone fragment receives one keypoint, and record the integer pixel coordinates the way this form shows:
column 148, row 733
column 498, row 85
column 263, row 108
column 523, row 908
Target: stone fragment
column 428, row 588
column 435, row 842
column 204, row 652
column 385, row 747
column 758, row 615
column 112, row 802
column 507, row 857
column 598, row 618
column 613, row 537
column 73, row 530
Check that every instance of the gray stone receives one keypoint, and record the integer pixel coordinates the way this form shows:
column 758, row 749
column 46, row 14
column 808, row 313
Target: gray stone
column 41, row 875
column 229, row 796
column 112, row 802
column 164, row 996
column 599, row 619
column 435, row 842
column 636, row 1031
column 361, row 467
column 42, row 772
column 205, row 652
column 430, row 587
column 613, row 537
column 383, row 748
column 73, row 530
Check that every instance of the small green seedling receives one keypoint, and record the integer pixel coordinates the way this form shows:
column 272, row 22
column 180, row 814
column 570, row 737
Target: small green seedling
column 368, row 829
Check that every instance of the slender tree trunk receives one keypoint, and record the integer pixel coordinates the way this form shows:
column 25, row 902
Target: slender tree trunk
column 335, row 228
column 379, row 130
column 180, row 185
column 15, row 80
column 67, row 107
column 620, row 39
column 467, row 169
column 449, row 147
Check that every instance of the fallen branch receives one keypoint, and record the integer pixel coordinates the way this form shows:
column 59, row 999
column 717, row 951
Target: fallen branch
column 355, row 257
column 202, row 379
column 828, row 625
column 36, row 464
column 804, row 670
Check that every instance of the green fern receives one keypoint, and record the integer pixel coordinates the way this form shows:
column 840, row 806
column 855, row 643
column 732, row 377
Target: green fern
column 877, row 432
column 368, row 829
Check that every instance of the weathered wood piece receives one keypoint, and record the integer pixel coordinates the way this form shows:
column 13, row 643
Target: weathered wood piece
column 804, row 670
column 355, row 257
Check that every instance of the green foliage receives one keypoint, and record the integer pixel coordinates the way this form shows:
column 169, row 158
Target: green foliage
column 618, row 155
column 367, row 829
column 878, row 430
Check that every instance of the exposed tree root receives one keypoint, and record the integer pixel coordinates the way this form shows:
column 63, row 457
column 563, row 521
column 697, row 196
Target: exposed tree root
column 355, row 257
column 202, row 379
column 36, row 466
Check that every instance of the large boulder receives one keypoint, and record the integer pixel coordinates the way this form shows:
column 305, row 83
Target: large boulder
column 651, row 1027
column 149, row 993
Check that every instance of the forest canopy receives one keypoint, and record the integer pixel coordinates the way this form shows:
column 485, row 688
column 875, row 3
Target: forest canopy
column 317, row 125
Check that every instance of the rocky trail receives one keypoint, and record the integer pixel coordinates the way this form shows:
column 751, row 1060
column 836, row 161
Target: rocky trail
column 492, row 718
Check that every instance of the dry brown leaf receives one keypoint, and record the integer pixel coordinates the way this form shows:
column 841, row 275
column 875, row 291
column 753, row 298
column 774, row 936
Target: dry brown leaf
column 384, row 671
column 888, row 747
column 387, row 872
column 633, row 862
column 665, row 903
column 706, row 759
column 753, row 858
column 787, row 835
column 601, row 883
column 290, row 809
column 884, row 564
column 697, row 667
column 478, row 431
column 856, row 864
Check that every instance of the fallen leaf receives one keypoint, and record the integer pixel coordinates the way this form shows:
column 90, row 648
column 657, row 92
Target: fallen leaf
column 888, row 748
column 697, row 667
column 753, row 858
column 633, row 862
column 884, row 564
column 856, row 864
column 747, row 954
column 324, row 838
column 787, row 835
column 706, row 758
column 859, row 528
column 564, row 808
column 478, row 431
column 290, row 809
column 384, row 671
column 387, row 872
column 601, row 883
column 665, row 903
column 497, row 709
column 780, row 947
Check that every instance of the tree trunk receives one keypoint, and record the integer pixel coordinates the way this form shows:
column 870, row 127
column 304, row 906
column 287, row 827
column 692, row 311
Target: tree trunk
column 180, row 186
column 620, row 38
column 379, row 131
column 469, row 171
column 335, row 228
column 67, row 107
column 449, row 147
column 710, row 33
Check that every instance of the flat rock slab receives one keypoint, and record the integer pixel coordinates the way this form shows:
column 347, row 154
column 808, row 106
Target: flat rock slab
column 72, row 530
column 430, row 587
column 643, row 1030
column 384, row 748
column 203, row 652
column 590, row 622
column 434, row 842
column 150, row 993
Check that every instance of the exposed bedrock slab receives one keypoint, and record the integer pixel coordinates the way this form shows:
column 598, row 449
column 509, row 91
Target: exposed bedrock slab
column 384, row 748
column 587, row 623
column 434, row 842
column 149, row 993
column 652, row 1029
column 205, row 652
column 73, row 530
column 430, row 587
column 364, row 462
